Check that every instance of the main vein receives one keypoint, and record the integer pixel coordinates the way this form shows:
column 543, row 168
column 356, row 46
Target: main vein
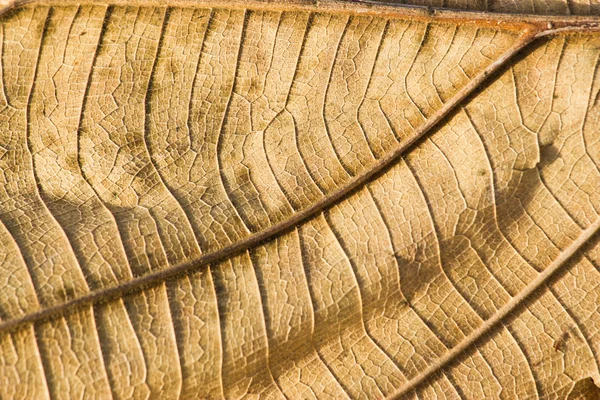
column 512, row 305
column 156, row 278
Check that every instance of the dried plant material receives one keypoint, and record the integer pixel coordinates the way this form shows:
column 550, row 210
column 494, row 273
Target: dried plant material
column 296, row 200
column 585, row 389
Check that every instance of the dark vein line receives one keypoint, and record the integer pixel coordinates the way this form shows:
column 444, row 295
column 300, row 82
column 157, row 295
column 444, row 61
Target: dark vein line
column 188, row 124
column 387, row 225
column 172, row 333
column 555, row 196
column 209, row 22
column 477, row 34
column 154, row 278
column 219, row 288
column 528, row 358
column 44, row 198
column 218, row 322
column 262, row 296
column 298, row 246
column 587, row 110
column 422, row 44
column 146, row 133
column 501, row 233
column 2, row 82
column 103, row 30
column 147, row 111
column 96, row 317
column 18, row 243
column 382, row 38
column 455, row 37
column 131, row 147
column 444, row 272
column 334, row 63
column 309, row 23
column 309, row 20
column 101, row 360
column 43, row 360
column 362, row 324
column 253, row 189
column 128, row 309
column 515, row 304
column 264, row 131
column 309, row 171
column 563, row 207
column 37, row 195
column 283, row 109
column 490, row 365
column 304, row 262
column 280, row 17
column 221, row 131
column 550, row 111
column 578, row 325
column 550, row 289
column 477, row 251
column 104, row 355
column 459, row 392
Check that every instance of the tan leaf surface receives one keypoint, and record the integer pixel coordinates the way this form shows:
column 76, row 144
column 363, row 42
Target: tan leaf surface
column 296, row 200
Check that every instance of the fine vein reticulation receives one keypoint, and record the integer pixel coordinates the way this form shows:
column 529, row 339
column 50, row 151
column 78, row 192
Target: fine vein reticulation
column 298, row 201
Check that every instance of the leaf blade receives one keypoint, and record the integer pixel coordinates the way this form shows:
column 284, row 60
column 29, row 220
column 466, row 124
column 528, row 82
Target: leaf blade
column 155, row 203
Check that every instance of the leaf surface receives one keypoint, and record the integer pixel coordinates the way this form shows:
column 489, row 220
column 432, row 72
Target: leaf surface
column 290, row 200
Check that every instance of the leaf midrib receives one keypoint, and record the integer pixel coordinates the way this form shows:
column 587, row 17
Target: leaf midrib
column 169, row 273
column 532, row 27
column 513, row 304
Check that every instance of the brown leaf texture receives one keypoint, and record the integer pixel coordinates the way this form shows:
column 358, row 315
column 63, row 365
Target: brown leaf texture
column 299, row 200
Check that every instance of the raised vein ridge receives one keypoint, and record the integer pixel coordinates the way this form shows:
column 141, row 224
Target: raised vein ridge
column 512, row 305
column 252, row 240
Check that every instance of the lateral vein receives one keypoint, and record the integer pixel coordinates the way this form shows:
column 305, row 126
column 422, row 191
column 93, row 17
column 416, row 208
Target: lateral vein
column 512, row 305
column 155, row 278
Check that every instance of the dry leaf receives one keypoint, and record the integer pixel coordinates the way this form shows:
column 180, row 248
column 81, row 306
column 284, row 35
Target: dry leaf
column 585, row 389
column 298, row 200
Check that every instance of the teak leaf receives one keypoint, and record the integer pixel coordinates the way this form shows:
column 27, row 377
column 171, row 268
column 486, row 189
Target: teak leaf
column 215, row 199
